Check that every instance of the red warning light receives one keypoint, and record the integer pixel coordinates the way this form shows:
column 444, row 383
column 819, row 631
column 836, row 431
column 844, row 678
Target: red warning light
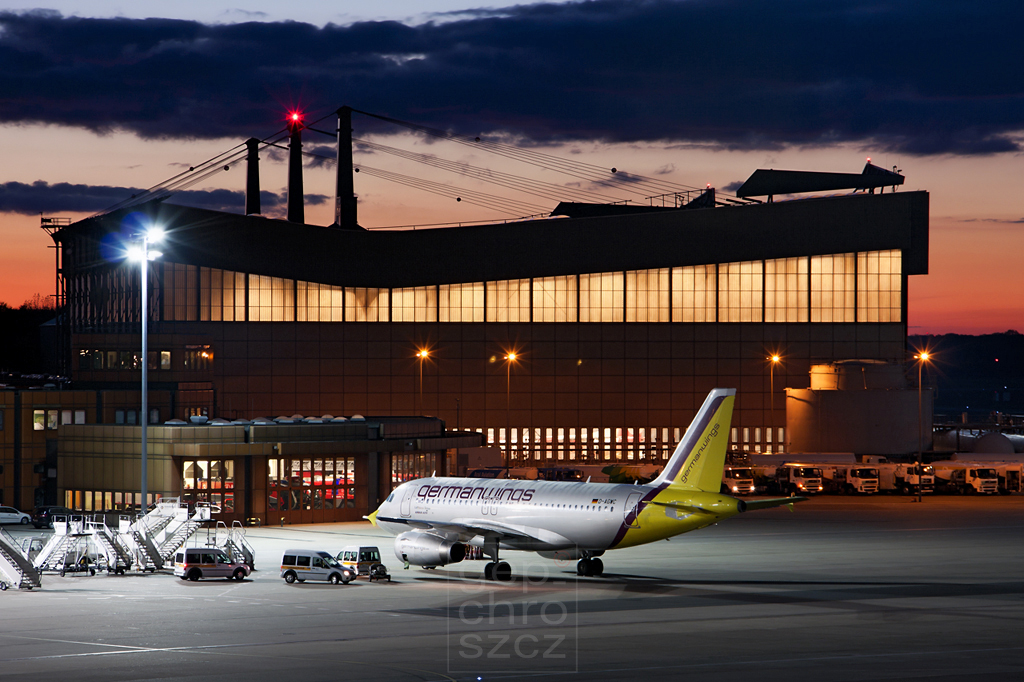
column 294, row 118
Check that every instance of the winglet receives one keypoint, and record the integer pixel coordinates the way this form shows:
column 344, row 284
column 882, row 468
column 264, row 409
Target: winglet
column 372, row 518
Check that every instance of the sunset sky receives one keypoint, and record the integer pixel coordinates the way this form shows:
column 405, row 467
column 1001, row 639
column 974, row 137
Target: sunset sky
column 101, row 99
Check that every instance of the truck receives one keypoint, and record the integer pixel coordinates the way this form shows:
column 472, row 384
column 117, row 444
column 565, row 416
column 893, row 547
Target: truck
column 1011, row 477
column 797, row 478
column 966, row 477
column 849, row 479
column 738, row 480
column 905, row 477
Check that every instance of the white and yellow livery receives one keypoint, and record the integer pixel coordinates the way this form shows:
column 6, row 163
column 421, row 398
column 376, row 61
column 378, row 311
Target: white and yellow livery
column 435, row 518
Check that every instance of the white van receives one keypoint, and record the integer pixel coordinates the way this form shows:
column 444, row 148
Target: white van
column 193, row 563
column 308, row 564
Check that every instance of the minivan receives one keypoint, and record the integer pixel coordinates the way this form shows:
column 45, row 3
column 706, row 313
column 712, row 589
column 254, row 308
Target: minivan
column 307, row 564
column 193, row 563
column 359, row 559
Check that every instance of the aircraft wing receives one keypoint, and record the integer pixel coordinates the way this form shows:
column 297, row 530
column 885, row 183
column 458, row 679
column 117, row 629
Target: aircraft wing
column 768, row 503
column 485, row 528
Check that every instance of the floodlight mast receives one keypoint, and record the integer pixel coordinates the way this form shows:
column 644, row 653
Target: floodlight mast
column 141, row 252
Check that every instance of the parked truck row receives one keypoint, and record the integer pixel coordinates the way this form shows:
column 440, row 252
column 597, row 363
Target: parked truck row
column 867, row 478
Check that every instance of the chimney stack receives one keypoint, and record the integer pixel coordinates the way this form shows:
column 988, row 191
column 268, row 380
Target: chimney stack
column 344, row 191
column 296, row 212
column 252, row 177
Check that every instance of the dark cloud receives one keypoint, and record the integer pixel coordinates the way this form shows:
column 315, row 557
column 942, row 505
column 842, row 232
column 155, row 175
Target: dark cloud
column 62, row 197
column 913, row 76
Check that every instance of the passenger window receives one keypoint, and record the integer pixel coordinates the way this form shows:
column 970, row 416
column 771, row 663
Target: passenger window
column 223, row 559
column 208, row 559
column 318, row 563
column 288, row 561
column 180, row 558
column 364, row 556
column 374, row 556
column 303, row 561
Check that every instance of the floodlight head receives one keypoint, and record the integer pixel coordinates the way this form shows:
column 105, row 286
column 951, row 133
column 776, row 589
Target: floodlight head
column 155, row 235
column 136, row 253
column 153, row 255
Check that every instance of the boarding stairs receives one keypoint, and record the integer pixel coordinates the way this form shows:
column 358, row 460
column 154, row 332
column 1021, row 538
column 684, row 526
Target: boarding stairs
column 119, row 555
column 15, row 569
column 184, row 526
column 147, row 554
column 235, row 544
column 69, row 539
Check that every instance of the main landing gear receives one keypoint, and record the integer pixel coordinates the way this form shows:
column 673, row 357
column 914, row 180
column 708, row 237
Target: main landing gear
column 495, row 569
column 498, row 570
column 588, row 567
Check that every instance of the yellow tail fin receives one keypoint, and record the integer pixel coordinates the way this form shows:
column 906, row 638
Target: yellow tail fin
column 699, row 457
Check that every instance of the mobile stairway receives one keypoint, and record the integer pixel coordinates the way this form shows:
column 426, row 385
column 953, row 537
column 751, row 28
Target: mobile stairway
column 237, row 546
column 160, row 533
column 68, row 547
column 116, row 548
column 15, row 569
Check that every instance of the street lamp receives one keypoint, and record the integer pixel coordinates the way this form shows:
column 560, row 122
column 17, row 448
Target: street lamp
column 422, row 354
column 510, row 358
column 922, row 357
column 773, row 360
column 140, row 252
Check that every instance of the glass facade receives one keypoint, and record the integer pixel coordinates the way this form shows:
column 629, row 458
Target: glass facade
column 848, row 287
column 308, row 483
column 211, row 482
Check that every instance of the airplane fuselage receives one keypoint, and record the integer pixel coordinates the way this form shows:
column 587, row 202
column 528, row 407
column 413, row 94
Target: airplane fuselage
column 553, row 515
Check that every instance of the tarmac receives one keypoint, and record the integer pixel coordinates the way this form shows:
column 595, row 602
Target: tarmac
column 843, row 588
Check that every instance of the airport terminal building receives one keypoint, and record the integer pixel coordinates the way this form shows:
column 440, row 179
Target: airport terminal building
column 588, row 337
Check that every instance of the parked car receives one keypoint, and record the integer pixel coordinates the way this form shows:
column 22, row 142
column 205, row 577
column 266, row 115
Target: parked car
column 42, row 517
column 12, row 515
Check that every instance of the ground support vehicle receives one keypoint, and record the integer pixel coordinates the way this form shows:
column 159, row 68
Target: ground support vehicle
column 16, row 569
column 738, row 480
column 307, row 564
column 364, row 561
column 905, row 478
column 797, row 478
column 966, row 478
column 1011, row 477
column 196, row 563
column 849, row 479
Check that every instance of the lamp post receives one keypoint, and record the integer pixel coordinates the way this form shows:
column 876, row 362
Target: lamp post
column 422, row 354
column 922, row 357
column 773, row 360
column 510, row 358
column 141, row 252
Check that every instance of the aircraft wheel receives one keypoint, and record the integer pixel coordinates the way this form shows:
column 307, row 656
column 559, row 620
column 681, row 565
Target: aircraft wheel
column 583, row 567
column 503, row 572
column 596, row 567
column 489, row 570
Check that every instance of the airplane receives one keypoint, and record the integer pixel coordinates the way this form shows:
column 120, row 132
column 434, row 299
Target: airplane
column 434, row 519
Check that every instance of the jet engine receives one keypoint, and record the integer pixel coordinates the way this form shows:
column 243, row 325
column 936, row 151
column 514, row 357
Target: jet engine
column 425, row 549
